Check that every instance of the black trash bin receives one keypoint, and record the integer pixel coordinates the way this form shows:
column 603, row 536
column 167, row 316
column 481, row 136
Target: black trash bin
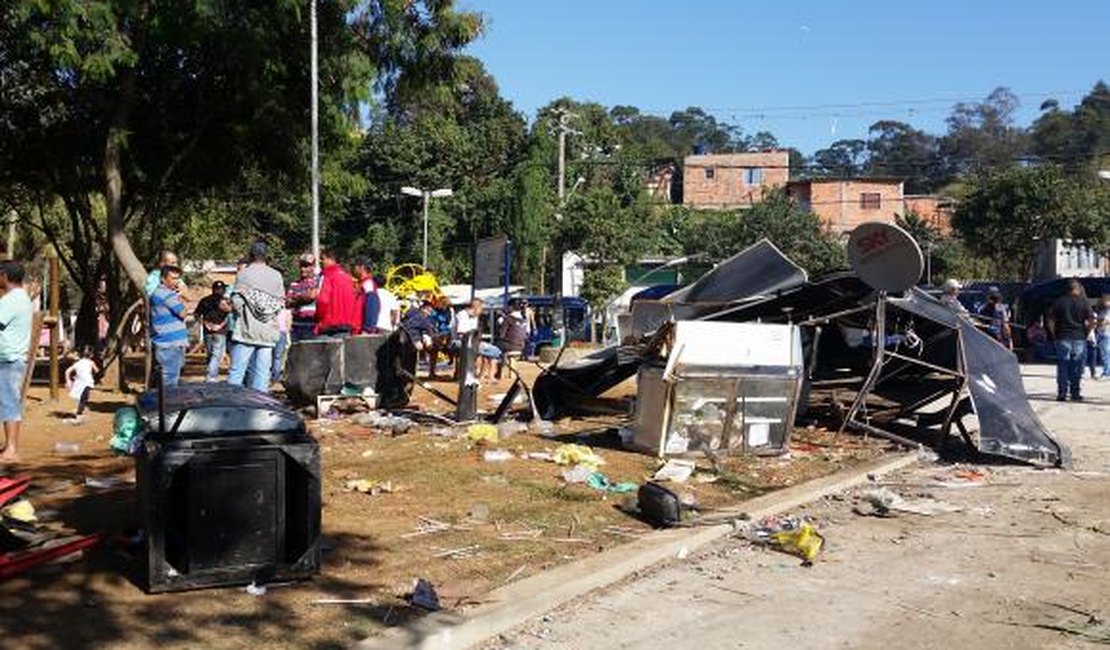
column 229, row 492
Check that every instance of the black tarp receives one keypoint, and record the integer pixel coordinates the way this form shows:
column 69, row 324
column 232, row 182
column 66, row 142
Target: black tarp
column 1007, row 424
column 758, row 270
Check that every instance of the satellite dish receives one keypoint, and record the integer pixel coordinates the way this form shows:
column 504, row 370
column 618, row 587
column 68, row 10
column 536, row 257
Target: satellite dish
column 885, row 257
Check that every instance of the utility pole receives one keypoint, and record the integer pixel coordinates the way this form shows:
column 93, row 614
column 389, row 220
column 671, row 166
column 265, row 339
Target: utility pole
column 564, row 130
column 315, row 136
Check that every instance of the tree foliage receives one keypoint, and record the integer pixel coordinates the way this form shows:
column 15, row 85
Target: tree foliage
column 1006, row 212
column 798, row 233
column 156, row 108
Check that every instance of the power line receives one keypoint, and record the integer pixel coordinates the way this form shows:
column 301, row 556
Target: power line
column 955, row 98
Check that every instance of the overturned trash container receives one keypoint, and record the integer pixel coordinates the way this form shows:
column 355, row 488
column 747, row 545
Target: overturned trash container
column 229, row 489
column 720, row 387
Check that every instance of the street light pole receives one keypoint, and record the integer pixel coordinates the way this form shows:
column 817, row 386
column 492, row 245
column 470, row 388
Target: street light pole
column 427, row 200
column 315, row 136
column 427, row 195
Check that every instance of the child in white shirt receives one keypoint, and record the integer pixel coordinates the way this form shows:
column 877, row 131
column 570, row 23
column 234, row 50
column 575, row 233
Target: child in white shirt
column 80, row 378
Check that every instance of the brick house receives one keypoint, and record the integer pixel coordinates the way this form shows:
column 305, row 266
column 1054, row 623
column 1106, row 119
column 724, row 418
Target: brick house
column 844, row 203
column 935, row 210
column 733, row 180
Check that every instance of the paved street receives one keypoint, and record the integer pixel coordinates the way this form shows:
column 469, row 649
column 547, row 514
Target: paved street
column 1025, row 563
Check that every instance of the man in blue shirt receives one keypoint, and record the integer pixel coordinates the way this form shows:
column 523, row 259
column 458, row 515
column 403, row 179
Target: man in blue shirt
column 169, row 336
column 15, row 342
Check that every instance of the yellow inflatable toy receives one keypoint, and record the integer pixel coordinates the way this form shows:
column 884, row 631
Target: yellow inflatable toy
column 410, row 281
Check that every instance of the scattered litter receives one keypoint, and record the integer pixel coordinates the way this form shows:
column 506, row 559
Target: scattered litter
column 788, row 533
column 367, row 486
column 508, row 429
column 682, row 553
column 22, row 511
column 497, row 455
column 396, row 424
column 343, row 601
column 541, row 427
column 482, row 433
column 882, row 502
column 599, row 481
column 572, row 454
column 255, row 589
column 455, row 553
column 514, row 574
column 107, row 483
column 429, row 526
column 675, row 469
column 626, row 434
column 368, row 453
column 424, row 595
column 623, row 531
column 524, row 533
column 577, row 474
column 969, row 474
column 805, row 542
column 65, row 448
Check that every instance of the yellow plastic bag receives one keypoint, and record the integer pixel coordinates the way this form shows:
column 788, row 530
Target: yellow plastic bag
column 21, row 510
column 571, row 454
column 804, row 542
column 482, row 433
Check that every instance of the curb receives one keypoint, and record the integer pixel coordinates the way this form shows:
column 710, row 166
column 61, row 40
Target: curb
column 518, row 602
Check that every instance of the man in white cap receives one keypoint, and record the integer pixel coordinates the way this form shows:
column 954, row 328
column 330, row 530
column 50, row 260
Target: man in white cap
column 951, row 296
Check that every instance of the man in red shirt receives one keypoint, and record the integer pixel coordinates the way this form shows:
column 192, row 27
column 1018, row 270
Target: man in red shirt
column 336, row 305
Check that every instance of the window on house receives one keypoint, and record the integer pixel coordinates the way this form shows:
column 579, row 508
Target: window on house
column 709, row 173
column 753, row 176
column 870, row 201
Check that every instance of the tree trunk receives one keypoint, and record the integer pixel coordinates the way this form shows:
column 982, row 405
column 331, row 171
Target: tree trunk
column 113, row 194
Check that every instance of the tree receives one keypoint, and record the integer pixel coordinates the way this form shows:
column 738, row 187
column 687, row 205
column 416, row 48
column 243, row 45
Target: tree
column 460, row 133
column 897, row 149
column 153, row 106
column 983, row 135
column 843, row 158
column 697, row 129
column 1076, row 139
column 1006, row 212
column 798, row 233
column 610, row 232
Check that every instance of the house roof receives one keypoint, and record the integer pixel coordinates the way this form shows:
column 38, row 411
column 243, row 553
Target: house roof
column 848, row 179
column 741, row 158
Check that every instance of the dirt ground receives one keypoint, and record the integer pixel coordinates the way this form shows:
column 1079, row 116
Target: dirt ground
column 516, row 517
column 1021, row 561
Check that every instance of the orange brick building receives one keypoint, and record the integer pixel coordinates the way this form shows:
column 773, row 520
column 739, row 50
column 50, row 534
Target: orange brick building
column 935, row 210
column 844, row 203
column 718, row 181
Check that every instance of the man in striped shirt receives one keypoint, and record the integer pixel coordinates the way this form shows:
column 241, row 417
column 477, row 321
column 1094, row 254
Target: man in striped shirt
column 167, row 325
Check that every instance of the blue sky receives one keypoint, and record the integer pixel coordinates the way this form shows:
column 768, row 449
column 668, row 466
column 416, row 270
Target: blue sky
column 798, row 68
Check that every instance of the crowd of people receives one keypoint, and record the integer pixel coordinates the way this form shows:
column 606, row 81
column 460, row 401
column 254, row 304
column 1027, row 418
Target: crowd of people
column 257, row 317
column 1077, row 331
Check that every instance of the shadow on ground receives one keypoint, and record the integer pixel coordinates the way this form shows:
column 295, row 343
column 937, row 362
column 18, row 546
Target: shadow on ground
column 94, row 602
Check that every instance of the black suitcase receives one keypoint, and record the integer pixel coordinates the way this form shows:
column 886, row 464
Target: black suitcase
column 659, row 506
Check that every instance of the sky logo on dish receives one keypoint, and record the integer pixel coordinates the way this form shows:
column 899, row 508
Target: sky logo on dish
column 877, row 240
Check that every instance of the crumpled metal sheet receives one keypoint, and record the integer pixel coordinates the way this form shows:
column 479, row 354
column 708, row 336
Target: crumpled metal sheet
column 1007, row 424
column 759, row 270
